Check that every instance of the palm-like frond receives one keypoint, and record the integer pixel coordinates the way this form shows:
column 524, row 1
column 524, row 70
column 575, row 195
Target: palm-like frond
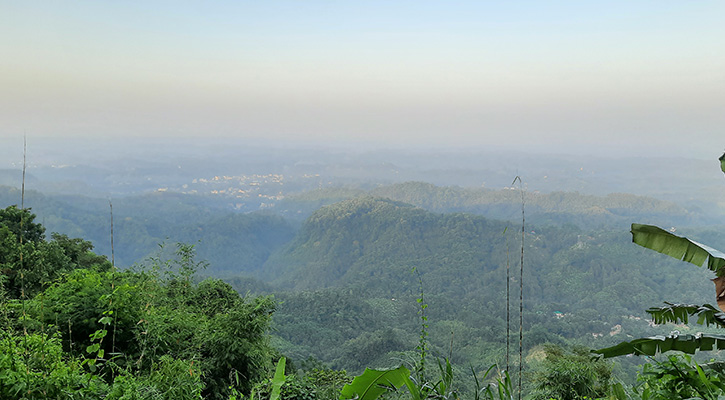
column 680, row 314
column 679, row 247
column 659, row 344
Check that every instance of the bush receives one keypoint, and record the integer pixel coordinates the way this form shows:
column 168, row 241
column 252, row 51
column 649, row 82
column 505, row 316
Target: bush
column 33, row 367
column 571, row 374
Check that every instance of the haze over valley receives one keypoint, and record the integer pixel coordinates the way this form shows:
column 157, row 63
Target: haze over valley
column 358, row 200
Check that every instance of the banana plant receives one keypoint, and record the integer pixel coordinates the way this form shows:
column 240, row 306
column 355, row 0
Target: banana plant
column 680, row 314
column 684, row 249
column 650, row 346
column 278, row 380
column 374, row 382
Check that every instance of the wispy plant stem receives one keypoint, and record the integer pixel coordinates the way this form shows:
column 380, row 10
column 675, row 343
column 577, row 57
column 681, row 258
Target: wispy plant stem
column 508, row 301
column 521, row 285
column 113, row 283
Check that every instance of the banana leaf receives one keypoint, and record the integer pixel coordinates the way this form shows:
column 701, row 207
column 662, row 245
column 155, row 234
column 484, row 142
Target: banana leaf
column 680, row 314
column 679, row 247
column 659, row 344
column 278, row 379
column 374, row 382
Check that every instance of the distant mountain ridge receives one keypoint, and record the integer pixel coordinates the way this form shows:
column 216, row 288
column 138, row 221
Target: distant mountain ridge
column 144, row 221
column 233, row 243
column 586, row 211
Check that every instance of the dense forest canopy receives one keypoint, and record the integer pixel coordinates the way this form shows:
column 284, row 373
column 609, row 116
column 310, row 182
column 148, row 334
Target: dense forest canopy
column 330, row 280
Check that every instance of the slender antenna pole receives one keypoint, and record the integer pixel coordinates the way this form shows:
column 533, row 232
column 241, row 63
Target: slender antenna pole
column 113, row 256
column 113, row 283
column 22, row 212
column 22, row 272
column 508, row 301
column 22, row 188
column 521, row 286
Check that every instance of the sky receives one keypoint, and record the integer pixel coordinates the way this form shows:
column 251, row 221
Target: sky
column 579, row 76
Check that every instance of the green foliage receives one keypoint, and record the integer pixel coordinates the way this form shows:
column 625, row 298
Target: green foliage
column 327, row 382
column 680, row 314
column 236, row 342
column 684, row 249
column 169, row 379
column 34, row 366
column 164, row 323
column 375, row 382
column 152, row 333
column 76, row 305
column 278, row 379
column 231, row 241
column 570, row 374
column 444, row 388
column 500, row 389
column 320, row 384
column 29, row 265
column 380, row 241
column 293, row 388
column 678, row 247
column 680, row 377
column 650, row 346
column 17, row 221
column 353, row 319
column 79, row 252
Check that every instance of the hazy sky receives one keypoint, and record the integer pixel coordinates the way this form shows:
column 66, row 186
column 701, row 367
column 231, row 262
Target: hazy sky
column 590, row 75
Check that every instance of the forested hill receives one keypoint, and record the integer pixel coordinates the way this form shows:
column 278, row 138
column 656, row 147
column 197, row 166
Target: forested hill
column 372, row 239
column 589, row 287
column 585, row 211
column 349, row 280
column 375, row 243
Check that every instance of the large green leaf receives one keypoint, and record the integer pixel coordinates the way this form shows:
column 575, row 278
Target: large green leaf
column 374, row 382
column 660, row 344
column 278, row 379
column 680, row 314
column 722, row 162
column 679, row 247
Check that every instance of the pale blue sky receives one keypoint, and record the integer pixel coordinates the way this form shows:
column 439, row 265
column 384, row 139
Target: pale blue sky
column 458, row 73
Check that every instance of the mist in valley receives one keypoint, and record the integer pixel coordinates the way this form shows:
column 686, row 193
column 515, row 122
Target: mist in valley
column 218, row 190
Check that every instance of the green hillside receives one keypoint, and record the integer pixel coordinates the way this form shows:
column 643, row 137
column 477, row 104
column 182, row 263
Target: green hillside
column 347, row 295
column 233, row 243
column 369, row 239
column 344, row 277
column 355, row 258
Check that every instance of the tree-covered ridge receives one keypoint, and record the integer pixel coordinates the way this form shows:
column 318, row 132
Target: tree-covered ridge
column 435, row 197
column 586, row 211
column 234, row 242
column 582, row 286
column 354, row 260
column 377, row 239
column 231, row 242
